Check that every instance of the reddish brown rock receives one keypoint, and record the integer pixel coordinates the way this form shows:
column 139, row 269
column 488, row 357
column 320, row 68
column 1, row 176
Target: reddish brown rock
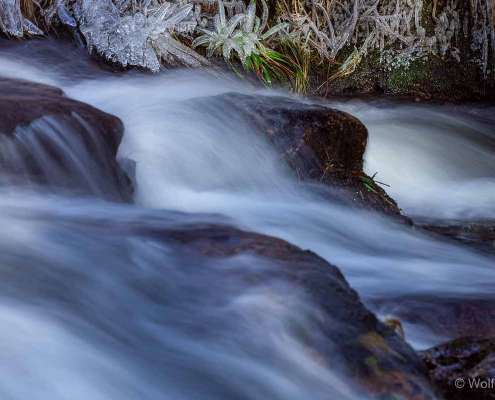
column 50, row 139
column 22, row 102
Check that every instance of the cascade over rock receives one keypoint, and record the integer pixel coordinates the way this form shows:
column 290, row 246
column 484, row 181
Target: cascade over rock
column 49, row 138
column 319, row 143
column 350, row 335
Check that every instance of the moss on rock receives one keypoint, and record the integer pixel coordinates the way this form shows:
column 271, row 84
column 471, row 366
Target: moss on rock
column 425, row 78
column 440, row 79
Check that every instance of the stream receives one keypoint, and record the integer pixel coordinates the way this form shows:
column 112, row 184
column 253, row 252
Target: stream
column 110, row 315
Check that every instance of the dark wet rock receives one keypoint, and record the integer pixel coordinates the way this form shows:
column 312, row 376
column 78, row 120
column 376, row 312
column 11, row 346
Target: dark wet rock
column 319, row 143
column 448, row 317
column 478, row 234
column 423, row 80
column 463, row 368
column 51, row 139
column 351, row 336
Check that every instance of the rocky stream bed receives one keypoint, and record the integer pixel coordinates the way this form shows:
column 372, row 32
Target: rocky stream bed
column 183, row 294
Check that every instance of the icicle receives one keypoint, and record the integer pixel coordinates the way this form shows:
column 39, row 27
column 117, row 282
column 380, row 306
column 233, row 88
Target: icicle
column 30, row 28
column 65, row 17
column 11, row 20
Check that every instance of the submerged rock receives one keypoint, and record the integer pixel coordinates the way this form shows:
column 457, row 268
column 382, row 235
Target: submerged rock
column 478, row 234
column 319, row 143
column 463, row 368
column 48, row 138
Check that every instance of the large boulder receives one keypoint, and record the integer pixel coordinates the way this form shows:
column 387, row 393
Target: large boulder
column 46, row 137
column 463, row 368
column 378, row 360
column 319, row 143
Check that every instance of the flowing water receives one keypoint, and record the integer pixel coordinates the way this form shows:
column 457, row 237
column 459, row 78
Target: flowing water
column 439, row 161
column 91, row 310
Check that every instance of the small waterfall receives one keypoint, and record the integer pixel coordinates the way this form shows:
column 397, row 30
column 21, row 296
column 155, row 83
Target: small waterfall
column 61, row 152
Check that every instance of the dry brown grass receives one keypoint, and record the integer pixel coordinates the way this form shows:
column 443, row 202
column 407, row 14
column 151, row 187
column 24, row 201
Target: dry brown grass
column 34, row 10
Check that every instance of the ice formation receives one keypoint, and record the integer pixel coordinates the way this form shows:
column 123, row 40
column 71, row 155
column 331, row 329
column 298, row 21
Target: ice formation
column 135, row 33
column 137, row 36
column 13, row 23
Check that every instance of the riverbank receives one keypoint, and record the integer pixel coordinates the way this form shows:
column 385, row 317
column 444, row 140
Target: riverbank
column 421, row 49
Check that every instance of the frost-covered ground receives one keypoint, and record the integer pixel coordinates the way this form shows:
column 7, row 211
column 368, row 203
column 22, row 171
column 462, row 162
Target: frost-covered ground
column 150, row 33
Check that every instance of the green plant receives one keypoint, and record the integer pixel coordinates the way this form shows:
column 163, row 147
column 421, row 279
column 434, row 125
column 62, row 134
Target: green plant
column 299, row 58
column 370, row 183
column 268, row 65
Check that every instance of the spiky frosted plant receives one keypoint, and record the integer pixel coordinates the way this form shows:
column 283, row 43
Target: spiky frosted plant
column 245, row 36
column 221, row 37
column 250, row 37
column 59, row 9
